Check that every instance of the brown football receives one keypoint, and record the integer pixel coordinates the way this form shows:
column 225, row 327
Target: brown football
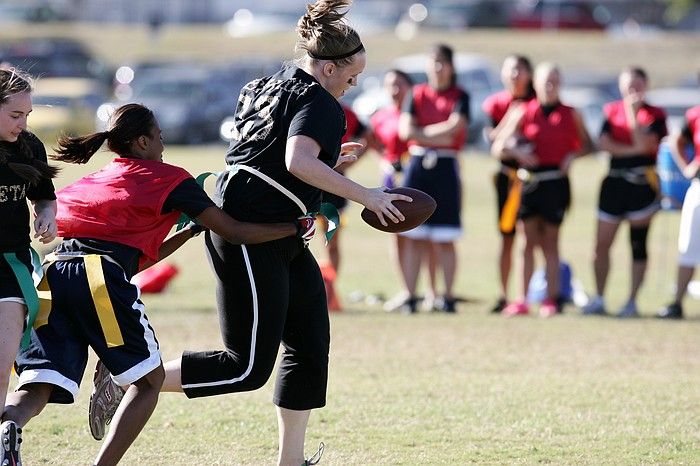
column 416, row 212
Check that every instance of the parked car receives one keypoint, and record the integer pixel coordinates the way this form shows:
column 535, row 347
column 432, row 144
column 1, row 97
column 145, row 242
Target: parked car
column 557, row 14
column 65, row 106
column 28, row 11
column 589, row 101
column 53, row 57
column 189, row 103
column 461, row 14
column 474, row 73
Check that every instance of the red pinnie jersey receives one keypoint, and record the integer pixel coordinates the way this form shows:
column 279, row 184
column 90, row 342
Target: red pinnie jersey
column 122, row 203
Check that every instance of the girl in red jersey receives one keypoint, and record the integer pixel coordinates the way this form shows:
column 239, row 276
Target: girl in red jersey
column 631, row 135
column 113, row 223
column 543, row 135
column 689, row 230
column 24, row 175
column 516, row 75
column 385, row 139
column 434, row 122
column 384, row 124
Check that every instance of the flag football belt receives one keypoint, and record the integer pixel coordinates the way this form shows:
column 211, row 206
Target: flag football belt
column 27, row 284
column 509, row 213
column 98, row 291
column 430, row 156
column 637, row 175
column 327, row 209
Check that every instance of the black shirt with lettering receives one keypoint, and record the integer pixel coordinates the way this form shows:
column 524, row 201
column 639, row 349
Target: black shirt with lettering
column 14, row 191
column 271, row 110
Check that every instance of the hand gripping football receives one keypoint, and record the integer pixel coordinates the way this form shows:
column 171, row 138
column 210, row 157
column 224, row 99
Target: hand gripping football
column 415, row 212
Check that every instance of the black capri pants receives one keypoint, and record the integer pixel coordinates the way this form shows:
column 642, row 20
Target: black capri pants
column 266, row 294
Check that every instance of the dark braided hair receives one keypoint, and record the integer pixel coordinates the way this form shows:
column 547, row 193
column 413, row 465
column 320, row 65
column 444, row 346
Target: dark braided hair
column 25, row 165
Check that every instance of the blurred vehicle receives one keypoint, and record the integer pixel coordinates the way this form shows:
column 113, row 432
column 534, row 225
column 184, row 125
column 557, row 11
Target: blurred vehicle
column 675, row 101
column 558, row 14
column 262, row 20
column 189, row 103
column 605, row 83
column 461, row 14
column 65, row 106
column 27, row 11
column 474, row 73
column 52, row 57
column 589, row 101
column 370, row 16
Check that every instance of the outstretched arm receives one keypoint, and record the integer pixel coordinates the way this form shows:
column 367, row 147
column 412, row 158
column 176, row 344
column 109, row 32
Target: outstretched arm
column 302, row 161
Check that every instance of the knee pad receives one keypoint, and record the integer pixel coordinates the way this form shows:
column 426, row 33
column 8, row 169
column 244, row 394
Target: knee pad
column 638, row 240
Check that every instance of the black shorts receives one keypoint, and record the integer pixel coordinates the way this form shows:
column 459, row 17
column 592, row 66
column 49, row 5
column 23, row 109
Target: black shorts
column 267, row 294
column 109, row 318
column 9, row 287
column 621, row 199
column 548, row 199
column 503, row 184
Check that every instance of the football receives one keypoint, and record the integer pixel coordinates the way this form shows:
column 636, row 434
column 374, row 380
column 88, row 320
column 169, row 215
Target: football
column 415, row 212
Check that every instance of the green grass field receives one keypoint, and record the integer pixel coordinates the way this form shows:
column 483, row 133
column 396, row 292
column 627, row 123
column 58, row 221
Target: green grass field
column 469, row 388
column 436, row 389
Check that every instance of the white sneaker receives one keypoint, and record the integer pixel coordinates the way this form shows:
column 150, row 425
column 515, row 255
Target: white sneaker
column 594, row 307
column 397, row 302
column 11, row 439
column 629, row 310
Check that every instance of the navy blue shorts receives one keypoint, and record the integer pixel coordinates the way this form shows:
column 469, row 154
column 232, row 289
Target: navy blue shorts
column 442, row 182
column 113, row 324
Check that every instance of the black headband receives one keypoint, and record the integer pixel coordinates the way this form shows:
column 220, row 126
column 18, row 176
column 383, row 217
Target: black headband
column 337, row 57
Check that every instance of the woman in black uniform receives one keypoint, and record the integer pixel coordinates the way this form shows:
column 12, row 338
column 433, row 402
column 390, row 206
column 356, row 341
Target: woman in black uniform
column 287, row 140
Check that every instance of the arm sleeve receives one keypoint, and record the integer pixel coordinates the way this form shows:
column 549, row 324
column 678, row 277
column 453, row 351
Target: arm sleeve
column 44, row 190
column 658, row 127
column 605, row 128
column 462, row 106
column 322, row 120
column 687, row 132
column 409, row 104
column 187, row 197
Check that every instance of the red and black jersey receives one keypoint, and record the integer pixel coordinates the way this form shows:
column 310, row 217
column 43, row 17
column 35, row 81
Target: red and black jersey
column 692, row 117
column 429, row 106
column 496, row 105
column 652, row 119
column 385, row 125
column 552, row 130
column 122, row 203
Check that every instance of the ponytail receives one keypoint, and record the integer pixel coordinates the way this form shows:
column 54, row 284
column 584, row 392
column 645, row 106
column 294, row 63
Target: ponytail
column 324, row 34
column 127, row 124
column 79, row 149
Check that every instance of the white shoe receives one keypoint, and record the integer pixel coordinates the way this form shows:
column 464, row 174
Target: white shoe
column 594, row 307
column 397, row 302
column 629, row 310
column 11, row 439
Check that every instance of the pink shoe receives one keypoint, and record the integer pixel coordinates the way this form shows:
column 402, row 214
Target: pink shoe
column 548, row 308
column 516, row 308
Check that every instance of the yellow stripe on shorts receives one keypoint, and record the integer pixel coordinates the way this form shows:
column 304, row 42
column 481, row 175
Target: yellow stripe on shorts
column 103, row 305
